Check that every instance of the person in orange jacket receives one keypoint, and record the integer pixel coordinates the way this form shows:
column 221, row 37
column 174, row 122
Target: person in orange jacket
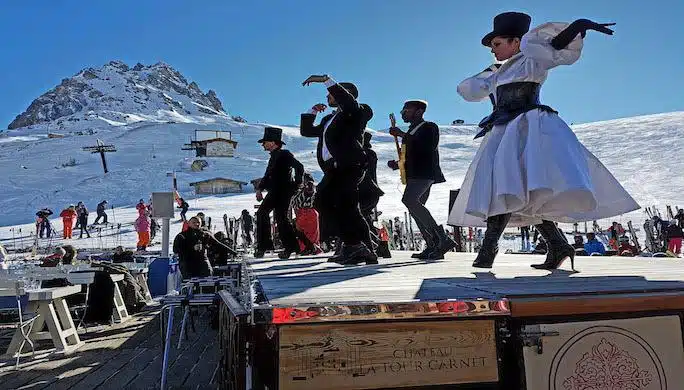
column 68, row 216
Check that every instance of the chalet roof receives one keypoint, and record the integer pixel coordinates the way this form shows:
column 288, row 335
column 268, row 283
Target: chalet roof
column 217, row 178
column 206, row 141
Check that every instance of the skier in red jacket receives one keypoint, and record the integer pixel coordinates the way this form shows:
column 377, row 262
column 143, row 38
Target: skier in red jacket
column 68, row 216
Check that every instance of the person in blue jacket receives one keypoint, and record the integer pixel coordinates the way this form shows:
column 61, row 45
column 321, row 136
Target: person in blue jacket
column 593, row 245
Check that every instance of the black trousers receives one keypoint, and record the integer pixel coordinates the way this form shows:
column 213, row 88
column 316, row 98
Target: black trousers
column 279, row 204
column 338, row 196
column 45, row 227
column 367, row 206
column 100, row 215
column 415, row 195
column 83, row 224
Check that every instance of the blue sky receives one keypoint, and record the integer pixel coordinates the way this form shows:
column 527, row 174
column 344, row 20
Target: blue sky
column 255, row 54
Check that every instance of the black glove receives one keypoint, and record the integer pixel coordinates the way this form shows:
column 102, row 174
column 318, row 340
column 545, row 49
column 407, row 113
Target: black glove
column 579, row 26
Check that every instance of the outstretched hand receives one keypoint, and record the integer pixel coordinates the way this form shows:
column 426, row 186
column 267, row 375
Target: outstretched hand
column 315, row 79
column 603, row 28
column 587, row 24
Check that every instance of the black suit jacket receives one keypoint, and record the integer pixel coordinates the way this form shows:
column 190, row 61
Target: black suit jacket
column 422, row 155
column 278, row 177
column 344, row 136
column 368, row 188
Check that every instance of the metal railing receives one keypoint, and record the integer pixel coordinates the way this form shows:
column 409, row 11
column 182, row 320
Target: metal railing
column 233, row 343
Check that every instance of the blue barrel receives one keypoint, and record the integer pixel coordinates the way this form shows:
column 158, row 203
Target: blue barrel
column 157, row 276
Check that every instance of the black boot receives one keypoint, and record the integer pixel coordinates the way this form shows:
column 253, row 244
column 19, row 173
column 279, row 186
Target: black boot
column 337, row 256
column 429, row 247
column 490, row 243
column 444, row 244
column 557, row 248
column 355, row 254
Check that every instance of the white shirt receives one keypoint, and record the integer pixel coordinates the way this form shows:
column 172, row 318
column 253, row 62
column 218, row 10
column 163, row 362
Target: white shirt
column 325, row 152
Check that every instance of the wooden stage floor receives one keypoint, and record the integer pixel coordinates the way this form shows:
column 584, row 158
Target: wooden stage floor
column 311, row 280
column 122, row 356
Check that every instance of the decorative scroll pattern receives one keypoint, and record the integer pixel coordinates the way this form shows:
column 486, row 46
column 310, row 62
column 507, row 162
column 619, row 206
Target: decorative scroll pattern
column 608, row 367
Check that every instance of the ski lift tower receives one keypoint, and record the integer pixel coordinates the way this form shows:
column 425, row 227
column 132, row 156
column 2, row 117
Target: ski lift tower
column 102, row 149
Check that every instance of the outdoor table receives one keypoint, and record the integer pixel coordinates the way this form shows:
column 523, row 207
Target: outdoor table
column 49, row 303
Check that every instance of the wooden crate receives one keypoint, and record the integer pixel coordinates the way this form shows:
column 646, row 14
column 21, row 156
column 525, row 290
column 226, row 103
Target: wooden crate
column 383, row 355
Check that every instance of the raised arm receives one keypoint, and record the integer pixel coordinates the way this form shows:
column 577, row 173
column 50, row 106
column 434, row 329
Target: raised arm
column 306, row 124
column 553, row 44
column 346, row 101
column 344, row 98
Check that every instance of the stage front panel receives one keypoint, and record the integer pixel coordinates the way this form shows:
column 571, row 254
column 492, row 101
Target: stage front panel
column 639, row 353
column 383, row 355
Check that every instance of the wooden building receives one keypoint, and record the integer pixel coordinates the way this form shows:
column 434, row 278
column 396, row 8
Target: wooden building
column 218, row 144
column 218, row 185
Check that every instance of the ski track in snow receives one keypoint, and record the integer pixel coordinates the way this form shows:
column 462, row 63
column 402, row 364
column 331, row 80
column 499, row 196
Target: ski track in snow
column 642, row 152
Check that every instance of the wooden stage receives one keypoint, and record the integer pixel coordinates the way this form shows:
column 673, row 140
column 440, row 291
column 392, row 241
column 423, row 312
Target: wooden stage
column 312, row 281
column 122, row 356
column 408, row 323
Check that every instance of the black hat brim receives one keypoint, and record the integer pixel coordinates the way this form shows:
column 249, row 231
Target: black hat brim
column 487, row 39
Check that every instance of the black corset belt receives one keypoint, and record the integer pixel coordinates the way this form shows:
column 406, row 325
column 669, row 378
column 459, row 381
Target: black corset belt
column 512, row 100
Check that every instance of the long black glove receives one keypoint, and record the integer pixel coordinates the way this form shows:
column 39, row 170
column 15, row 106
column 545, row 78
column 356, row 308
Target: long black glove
column 579, row 26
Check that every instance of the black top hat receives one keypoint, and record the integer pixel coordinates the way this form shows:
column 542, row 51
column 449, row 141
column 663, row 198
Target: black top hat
column 274, row 134
column 351, row 88
column 508, row 24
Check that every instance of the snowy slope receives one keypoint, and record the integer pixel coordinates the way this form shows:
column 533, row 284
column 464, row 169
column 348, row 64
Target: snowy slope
column 149, row 112
column 642, row 152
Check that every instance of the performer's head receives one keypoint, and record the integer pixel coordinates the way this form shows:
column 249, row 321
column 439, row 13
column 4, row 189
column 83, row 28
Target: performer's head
column 509, row 28
column 350, row 87
column 272, row 139
column 590, row 236
column 413, row 111
column 270, row 146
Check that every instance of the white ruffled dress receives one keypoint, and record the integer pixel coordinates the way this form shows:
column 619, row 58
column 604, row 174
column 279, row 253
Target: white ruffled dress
column 534, row 166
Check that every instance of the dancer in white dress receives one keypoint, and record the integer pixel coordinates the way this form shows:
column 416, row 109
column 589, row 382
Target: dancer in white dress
column 531, row 168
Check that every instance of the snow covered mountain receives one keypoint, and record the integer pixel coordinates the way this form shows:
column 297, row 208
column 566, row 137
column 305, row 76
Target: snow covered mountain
column 37, row 171
column 116, row 94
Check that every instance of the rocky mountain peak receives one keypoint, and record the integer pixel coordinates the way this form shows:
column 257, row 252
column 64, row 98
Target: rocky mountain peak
column 115, row 93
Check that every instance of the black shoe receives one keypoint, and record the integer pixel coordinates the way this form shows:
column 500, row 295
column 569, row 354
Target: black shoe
column 422, row 254
column 258, row 254
column 490, row 243
column 356, row 254
column 335, row 258
column 285, row 254
column 444, row 245
column 557, row 248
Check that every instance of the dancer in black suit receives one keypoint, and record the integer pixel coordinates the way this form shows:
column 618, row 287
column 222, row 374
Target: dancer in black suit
column 281, row 185
column 422, row 171
column 370, row 193
column 342, row 158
